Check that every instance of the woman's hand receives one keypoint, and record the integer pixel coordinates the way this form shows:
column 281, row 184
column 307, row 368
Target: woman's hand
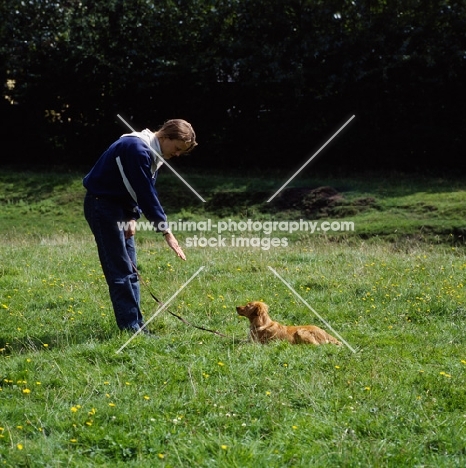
column 173, row 243
column 131, row 229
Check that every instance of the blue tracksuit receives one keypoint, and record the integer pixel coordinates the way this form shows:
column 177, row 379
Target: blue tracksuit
column 119, row 187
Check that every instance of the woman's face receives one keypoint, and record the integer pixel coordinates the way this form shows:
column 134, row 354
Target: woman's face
column 172, row 148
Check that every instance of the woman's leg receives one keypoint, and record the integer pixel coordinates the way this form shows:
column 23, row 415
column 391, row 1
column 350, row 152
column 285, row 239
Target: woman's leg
column 131, row 249
column 116, row 255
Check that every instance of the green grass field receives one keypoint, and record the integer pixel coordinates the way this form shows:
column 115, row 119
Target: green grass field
column 393, row 289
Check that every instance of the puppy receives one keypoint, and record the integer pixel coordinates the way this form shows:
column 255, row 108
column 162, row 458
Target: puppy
column 264, row 329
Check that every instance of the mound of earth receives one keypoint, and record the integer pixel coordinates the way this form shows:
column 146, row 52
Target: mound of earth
column 307, row 200
column 311, row 202
column 320, row 202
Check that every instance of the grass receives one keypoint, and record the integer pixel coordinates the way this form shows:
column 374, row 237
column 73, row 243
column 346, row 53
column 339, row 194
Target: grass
column 190, row 398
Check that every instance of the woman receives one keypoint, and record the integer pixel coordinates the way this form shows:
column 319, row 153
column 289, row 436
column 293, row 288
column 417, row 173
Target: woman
column 120, row 187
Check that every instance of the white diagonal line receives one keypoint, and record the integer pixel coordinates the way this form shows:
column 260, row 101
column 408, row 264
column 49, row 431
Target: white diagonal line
column 160, row 309
column 309, row 160
column 126, row 123
column 310, row 308
column 165, row 162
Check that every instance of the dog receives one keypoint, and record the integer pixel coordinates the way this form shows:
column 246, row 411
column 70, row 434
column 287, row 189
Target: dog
column 264, row 329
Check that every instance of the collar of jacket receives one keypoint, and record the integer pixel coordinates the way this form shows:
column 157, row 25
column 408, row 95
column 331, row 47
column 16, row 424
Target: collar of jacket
column 153, row 143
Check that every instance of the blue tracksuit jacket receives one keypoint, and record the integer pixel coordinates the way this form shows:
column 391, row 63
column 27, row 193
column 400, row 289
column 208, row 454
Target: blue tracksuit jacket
column 126, row 173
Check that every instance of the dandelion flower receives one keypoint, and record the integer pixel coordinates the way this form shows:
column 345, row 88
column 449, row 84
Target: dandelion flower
column 26, row 391
column 146, row 397
column 112, row 405
column 74, row 409
column 19, row 446
column 73, row 440
column 161, row 456
column 220, row 363
column 268, row 393
column 224, row 447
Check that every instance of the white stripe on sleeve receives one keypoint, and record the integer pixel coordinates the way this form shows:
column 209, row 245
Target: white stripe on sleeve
column 125, row 180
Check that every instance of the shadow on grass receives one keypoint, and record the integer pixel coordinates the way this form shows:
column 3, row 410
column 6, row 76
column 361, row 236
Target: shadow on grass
column 33, row 186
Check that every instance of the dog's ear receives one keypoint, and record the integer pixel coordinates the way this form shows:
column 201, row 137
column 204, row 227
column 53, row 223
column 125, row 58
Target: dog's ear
column 254, row 308
column 261, row 308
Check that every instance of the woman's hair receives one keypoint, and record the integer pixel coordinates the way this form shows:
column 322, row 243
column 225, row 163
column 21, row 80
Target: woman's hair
column 179, row 129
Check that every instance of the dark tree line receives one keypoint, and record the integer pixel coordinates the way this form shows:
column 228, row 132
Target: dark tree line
column 262, row 82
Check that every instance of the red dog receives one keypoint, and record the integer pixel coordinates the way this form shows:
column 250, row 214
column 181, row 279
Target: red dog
column 264, row 329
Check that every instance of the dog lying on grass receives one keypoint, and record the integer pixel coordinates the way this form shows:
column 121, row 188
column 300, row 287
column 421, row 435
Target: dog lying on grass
column 264, row 329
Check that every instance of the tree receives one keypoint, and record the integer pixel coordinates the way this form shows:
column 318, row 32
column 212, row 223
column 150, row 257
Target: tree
column 258, row 79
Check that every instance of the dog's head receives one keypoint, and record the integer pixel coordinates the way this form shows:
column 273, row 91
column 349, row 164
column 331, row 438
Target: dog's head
column 256, row 312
